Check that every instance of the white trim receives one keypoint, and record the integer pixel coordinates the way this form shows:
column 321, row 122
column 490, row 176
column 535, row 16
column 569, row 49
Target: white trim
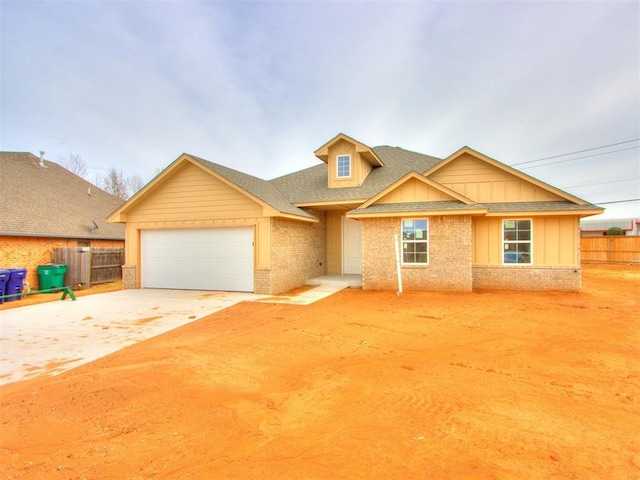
column 338, row 166
column 350, row 270
column 503, row 241
column 402, row 243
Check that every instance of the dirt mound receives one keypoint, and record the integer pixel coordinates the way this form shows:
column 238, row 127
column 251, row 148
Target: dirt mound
column 359, row 385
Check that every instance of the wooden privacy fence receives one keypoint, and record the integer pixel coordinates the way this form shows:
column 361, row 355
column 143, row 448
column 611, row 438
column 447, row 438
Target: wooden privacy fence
column 610, row 249
column 90, row 266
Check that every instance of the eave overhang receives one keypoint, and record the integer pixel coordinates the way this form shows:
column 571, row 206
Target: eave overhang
column 332, row 203
column 365, row 151
column 541, row 213
column 58, row 235
column 507, row 169
column 120, row 215
column 417, row 209
column 416, row 176
column 541, row 209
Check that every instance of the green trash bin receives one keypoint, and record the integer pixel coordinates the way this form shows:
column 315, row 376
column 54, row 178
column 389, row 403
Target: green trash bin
column 51, row 276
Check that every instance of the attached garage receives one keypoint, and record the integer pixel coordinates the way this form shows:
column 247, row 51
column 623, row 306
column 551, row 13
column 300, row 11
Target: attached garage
column 201, row 226
column 198, row 259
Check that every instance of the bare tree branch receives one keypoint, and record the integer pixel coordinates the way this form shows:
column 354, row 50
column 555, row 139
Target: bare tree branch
column 115, row 183
column 75, row 164
column 134, row 184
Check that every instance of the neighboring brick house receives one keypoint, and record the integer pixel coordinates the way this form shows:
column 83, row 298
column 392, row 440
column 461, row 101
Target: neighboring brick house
column 460, row 223
column 45, row 206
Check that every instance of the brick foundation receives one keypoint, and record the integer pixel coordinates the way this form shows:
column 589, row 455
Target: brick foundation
column 532, row 278
column 129, row 277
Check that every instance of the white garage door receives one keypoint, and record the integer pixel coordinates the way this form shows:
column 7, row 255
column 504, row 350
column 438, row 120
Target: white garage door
column 198, row 259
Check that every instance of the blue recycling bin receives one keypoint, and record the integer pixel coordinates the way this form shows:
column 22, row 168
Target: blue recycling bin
column 4, row 278
column 15, row 284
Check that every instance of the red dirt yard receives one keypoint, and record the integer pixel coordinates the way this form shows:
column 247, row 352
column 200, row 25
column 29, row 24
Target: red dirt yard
column 484, row 385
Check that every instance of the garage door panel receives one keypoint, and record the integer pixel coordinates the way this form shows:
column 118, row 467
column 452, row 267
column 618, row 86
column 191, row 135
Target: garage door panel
column 199, row 259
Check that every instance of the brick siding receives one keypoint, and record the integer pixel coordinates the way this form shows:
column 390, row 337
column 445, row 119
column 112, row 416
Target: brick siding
column 298, row 252
column 29, row 252
column 532, row 278
column 449, row 256
column 129, row 277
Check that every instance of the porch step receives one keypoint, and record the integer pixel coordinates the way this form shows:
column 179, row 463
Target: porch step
column 349, row 281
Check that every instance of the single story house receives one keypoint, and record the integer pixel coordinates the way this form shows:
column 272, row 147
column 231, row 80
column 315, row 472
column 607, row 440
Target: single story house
column 460, row 223
column 45, row 206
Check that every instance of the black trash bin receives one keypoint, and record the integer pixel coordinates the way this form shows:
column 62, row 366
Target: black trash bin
column 15, row 284
column 4, row 278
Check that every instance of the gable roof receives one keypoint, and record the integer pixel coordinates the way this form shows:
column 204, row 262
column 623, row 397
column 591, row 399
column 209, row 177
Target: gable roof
column 504, row 168
column 287, row 195
column 309, row 187
column 50, row 201
column 257, row 187
column 422, row 179
column 366, row 152
column 261, row 191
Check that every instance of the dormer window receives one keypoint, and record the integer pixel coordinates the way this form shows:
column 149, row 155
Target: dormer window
column 344, row 166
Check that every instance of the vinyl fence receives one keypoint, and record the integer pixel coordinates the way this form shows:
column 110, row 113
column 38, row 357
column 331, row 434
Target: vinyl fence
column 90, row 266
column 610, row 249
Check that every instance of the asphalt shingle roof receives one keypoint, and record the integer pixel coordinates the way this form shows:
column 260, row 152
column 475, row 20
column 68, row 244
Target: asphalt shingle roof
column 264, row 190
column 310, row 185
column 52, row 201
column 536, row 206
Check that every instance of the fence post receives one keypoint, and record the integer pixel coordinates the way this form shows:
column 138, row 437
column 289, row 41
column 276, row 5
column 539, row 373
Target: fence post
column 610, row 249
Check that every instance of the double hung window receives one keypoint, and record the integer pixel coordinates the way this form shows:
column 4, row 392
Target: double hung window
column 415, row 242
column 516, row 241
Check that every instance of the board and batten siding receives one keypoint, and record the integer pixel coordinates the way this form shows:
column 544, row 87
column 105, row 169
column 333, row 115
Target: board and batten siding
column 555, row 241
column 482, row 182
column 360, row 168
column 414, row 191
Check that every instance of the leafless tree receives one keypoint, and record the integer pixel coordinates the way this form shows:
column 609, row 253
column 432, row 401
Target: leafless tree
column 134, row 184
column 115, row 183
column 75, row 164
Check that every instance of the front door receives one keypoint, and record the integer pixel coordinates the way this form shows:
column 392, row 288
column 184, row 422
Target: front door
column 351, row 247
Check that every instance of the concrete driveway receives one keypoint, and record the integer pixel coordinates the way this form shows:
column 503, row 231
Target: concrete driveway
column 56, row 336
column 53, row 337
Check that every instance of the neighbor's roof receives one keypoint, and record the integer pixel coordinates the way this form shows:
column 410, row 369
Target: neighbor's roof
column 604, row 224
column 309, row 186
column 50, row 201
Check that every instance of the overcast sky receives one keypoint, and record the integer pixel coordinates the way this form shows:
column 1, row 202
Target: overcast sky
column 258, row 86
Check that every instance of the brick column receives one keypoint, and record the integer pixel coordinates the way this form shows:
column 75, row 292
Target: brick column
column 128, row 277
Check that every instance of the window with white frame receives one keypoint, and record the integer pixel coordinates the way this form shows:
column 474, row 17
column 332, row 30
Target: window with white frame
column 415, row 242
column 517, row 241
column 343, row 165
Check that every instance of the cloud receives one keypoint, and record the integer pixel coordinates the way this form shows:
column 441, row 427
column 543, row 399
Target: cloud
column 259, row 86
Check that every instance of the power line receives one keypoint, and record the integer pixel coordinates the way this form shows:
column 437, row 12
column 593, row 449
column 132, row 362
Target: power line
column 577, row 158
column 580, row 185
column 577, row 151
column 619, row 201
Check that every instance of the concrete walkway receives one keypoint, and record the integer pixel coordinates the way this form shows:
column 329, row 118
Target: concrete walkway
column 53, row 337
